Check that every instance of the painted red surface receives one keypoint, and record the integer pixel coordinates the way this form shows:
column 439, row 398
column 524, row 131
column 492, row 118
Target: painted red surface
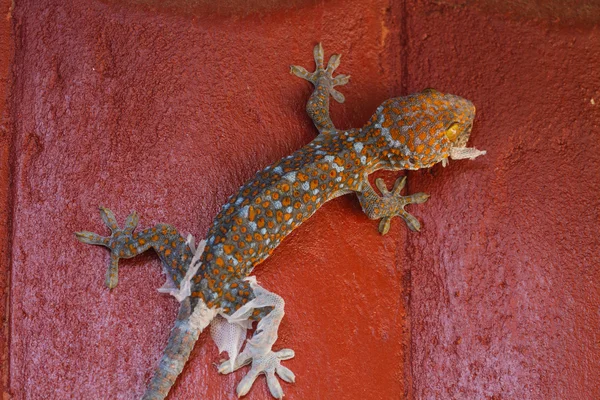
column 168, row 108
column 5, row 194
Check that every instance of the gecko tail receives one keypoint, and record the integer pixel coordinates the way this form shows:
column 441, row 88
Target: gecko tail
column 190, row 323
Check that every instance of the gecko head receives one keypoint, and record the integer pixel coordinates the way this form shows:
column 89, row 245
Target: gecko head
column 425, row 128
column 458, row 117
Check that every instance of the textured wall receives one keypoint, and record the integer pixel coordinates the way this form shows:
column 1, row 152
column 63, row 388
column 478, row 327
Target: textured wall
column 167, row 107
column 169, row 113
column 5, row 193
column 505, row 293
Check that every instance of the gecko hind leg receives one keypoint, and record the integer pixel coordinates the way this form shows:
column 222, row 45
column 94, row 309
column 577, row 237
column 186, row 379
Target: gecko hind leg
column 269, row 307
column 324, row 82
column 171, row 247
column 390, row 204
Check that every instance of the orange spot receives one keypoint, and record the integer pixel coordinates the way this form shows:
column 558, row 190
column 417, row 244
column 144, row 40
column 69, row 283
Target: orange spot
column 155, row 238
column 302, row 177
column 219, row 261
column 167, row 252
column 251, row 213
column 260, row 223
column 279, row 216
column 286, row 201
column 285, row 187
column 297, row 205
column 228, row 248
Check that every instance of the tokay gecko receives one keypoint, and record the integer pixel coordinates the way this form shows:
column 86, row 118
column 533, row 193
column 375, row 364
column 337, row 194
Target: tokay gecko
column 212, row 281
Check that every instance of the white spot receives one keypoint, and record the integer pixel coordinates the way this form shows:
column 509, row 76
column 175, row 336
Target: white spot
column 277, row 204
column 338, row 168
column 252, row 225
column 363, row 159
column 239, row 201
column 288, row 210
column 244, row 212
column 338, row 179
column 592, row 101
column 290, row 176
column 329, row 158
column 315, row 191
column 358, row 146
column 218, row 249
column 277, row 170
column 305, row 186
column 263, row 231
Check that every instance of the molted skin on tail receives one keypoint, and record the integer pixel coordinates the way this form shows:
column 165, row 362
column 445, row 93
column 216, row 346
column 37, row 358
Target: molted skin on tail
column 192, row 319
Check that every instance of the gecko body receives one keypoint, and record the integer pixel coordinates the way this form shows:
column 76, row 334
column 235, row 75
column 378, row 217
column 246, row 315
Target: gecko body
column 212, row 281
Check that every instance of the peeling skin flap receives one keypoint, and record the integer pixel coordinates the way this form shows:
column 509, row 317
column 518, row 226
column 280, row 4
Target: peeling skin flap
column 460, row 153
column 229, row 331
column 228, row 337
column 185, row 286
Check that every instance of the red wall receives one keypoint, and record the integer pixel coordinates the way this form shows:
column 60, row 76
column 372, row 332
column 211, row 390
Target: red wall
column 168, row 108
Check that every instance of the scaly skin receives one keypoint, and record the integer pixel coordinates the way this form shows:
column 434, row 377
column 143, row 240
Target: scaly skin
column 411, row 132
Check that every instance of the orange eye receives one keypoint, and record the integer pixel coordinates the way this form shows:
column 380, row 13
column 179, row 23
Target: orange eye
column 452, row 131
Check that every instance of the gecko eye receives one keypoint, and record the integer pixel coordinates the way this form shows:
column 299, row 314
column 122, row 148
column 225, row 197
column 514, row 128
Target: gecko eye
column 452, row 131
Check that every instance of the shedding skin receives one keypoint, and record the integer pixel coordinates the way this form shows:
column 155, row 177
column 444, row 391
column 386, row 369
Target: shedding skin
column 405, row 133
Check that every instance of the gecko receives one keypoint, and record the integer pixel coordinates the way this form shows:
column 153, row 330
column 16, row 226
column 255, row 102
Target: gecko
column 212, row 279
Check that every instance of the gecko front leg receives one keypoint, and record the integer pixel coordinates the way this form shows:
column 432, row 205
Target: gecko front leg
column 324, row 82
column 390, row 204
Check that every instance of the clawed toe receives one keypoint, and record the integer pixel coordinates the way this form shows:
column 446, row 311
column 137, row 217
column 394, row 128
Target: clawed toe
column 117, row 235
column 323, row 74
column 400, row 202
column 268, row 364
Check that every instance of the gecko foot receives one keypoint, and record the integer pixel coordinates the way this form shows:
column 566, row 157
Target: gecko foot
column 322, row 75
column 268, row 364
column 117, row 242
column 396, row 205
